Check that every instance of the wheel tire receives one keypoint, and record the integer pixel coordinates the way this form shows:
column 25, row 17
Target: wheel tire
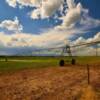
column 73, row 61
column 61, row 63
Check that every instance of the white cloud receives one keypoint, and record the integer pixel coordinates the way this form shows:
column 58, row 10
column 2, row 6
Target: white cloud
column 12, row 3
column 31, row 3
column 29, row 40
column 89, row 22
column 72, row 16
column 79, row 41
column 47, row 8
column 86, row 51
column 11, row 25
column 35, row 14
column 50, row 38
column 71, row 4
column 77, row 14
column 91, row 39
column 47, row 40
column 89, row 49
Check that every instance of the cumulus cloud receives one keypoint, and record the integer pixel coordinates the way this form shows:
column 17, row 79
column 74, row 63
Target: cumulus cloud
column 12, row 3
column 24, row 41
column 31, row 3
column 71, row 4
column 29, row 40
column 47, row 8
column 86, row 51
column 35, row 14
column 89, row 22
column 89, row 49
column 72, row 16
column 11, row 25
column 77, row 14
column 50, row 38
column 91, row 39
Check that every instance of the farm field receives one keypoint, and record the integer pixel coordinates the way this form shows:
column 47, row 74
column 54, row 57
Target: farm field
column 41, row 78
column 19, row 63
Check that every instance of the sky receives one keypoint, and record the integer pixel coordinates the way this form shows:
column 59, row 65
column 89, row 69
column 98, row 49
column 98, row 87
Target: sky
column 26, row 25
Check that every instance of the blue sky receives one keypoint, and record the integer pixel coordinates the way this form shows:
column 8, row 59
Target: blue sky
column 29, row 25
column 43, row 23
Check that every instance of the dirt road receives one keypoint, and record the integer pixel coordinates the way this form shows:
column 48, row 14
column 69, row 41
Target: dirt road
column 52, row 83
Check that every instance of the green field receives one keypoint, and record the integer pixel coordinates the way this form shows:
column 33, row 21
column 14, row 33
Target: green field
column 19, row 63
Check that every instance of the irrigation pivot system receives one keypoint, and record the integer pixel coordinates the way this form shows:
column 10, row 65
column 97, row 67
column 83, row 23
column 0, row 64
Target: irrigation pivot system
column 68, row 49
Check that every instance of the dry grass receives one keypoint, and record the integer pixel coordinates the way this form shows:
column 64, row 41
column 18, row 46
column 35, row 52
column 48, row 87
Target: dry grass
column 88, row 93
column 53, row 83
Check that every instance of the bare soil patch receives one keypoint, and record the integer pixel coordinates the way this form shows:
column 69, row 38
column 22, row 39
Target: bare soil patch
column 58, row 83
